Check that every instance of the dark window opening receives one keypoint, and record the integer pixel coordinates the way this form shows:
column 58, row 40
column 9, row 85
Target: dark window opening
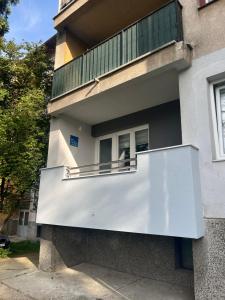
column 183, row 253
column 38, row 231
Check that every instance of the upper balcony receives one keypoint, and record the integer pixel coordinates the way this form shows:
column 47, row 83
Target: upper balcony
column 108, row 16
column 64, row 3
column 161, row 30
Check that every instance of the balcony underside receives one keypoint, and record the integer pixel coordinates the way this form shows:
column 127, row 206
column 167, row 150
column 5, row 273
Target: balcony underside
column 142, row 80
column 79, row 16
column 162, row 197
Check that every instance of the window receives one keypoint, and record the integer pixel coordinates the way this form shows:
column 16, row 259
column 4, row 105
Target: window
column 141, row 140
column 23, row 218
column 219, row 119
column 26, row 218
column 122, row 145
column 124, row 149
column 183, row 253
column 205, row 2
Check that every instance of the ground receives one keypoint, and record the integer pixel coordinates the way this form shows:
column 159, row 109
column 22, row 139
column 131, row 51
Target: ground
column 20, row 279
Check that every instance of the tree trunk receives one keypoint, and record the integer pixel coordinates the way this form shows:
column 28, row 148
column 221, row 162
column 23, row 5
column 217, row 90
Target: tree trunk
column 3, row 226
column 2, row 190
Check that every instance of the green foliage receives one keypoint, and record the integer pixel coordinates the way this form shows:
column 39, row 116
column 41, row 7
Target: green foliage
column 20, row 248
column 4, row 253
column 24, row 247
column 5, row 9
column 25, row 85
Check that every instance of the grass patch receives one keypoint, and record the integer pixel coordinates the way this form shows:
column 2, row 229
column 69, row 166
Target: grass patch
column 20, row 248
column 24, row 247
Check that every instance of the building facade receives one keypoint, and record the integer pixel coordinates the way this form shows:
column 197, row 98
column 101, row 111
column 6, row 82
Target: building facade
column 135, row 179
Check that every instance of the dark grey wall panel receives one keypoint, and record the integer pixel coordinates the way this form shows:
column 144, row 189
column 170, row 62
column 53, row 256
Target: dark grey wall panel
column 164, row 124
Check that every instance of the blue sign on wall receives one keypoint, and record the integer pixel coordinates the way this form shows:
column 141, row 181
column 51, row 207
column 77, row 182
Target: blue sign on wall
column 74, row 141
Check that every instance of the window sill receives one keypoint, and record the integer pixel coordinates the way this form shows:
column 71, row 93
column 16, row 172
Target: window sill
column 219, row 160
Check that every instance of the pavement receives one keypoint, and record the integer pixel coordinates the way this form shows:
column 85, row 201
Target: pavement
column 20, row 279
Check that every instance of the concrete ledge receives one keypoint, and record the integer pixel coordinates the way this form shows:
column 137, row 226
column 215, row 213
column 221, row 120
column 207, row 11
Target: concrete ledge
column 70, row 9
column 176, row 56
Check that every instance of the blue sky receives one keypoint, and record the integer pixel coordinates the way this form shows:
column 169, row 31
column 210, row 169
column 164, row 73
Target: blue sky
column 31, row 20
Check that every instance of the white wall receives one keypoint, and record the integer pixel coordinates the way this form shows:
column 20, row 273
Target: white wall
column 60, row 152
column 162, row 197
column 196, row 119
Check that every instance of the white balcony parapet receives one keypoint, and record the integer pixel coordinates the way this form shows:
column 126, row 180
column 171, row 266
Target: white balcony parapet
column 161, row 197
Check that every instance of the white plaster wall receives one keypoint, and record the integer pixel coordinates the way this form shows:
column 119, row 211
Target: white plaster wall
column 162, row 197
column 197, row 127
column 60, row 152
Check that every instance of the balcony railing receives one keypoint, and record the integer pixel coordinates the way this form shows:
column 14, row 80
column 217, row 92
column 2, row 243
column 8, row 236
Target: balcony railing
column 64, row 3
column 148, row 34
column 103, row 168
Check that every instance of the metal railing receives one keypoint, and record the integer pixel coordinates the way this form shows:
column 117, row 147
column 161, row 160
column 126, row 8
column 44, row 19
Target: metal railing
column 103, row 168
column 64, row 3
column 146, row 35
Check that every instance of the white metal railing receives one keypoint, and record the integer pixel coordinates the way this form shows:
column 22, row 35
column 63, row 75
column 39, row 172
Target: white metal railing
column 102, row 168
column 64, row 3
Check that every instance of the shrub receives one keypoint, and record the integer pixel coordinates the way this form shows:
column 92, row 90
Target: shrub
column 4, row 253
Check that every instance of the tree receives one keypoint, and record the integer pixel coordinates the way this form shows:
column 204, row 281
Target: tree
column 25, row 86
column 5, row 6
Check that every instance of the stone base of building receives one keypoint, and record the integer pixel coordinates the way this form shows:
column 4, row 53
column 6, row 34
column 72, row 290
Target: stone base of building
column 144, row 255
column 209, row 262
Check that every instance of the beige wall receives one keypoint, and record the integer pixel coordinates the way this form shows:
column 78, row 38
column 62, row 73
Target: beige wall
column 60, row 152
column 68, row 47
column 204, row 28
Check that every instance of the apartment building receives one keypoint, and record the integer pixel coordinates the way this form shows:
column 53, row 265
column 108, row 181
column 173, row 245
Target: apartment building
column 135, row 179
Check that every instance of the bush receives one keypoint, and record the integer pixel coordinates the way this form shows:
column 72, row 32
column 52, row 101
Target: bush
column 4, row 253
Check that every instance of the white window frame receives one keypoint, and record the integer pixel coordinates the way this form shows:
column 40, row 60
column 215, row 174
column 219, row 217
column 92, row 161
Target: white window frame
column 217, row 118
column 115, row 147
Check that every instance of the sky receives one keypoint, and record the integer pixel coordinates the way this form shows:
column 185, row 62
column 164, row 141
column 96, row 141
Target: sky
column 31, row 20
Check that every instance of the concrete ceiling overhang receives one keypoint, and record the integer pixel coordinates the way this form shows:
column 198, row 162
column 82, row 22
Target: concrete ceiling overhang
column 130, row 97
column 94, row 20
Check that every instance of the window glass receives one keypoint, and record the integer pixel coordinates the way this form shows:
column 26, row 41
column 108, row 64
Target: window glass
column 222, row 111
column 21, row 218
column 220, row 118
column 204, row 2
column 124, row 148
column 141, row 140
column 106, row 153
column 26, row 218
